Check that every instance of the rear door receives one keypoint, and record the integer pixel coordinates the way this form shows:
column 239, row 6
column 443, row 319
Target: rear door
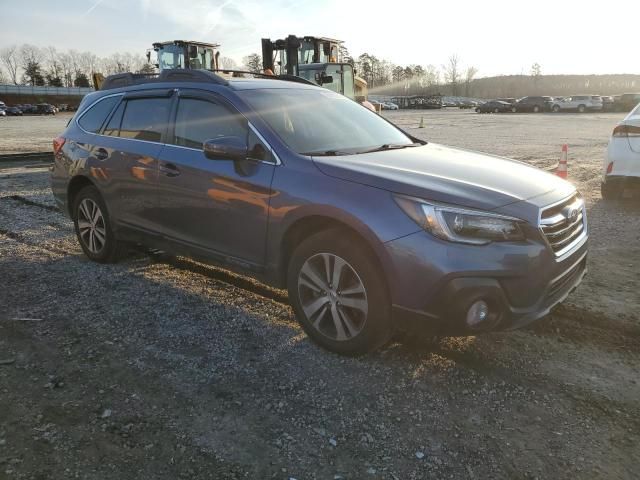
column 134, row 137
column 219, row 206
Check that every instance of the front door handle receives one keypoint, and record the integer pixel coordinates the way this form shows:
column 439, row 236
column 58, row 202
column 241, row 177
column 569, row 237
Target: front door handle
column 101, row 154
column 169, row 170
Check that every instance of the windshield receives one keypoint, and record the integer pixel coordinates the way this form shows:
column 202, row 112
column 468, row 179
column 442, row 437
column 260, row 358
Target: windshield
column 314, row 120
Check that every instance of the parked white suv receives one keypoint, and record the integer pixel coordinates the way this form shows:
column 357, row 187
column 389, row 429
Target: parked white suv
column 621, row 170
column 578, row 103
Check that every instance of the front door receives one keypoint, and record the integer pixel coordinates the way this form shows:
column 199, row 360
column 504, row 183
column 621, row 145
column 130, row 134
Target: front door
column 217, row 205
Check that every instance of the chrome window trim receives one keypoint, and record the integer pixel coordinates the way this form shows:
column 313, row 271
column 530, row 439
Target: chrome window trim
column 263, row 140
column 77, row 120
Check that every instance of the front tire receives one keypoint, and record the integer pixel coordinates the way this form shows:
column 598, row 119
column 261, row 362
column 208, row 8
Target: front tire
column 339, row 294
column 93, row 227
column 581, row 108
column 536, row 109
column 556, row 108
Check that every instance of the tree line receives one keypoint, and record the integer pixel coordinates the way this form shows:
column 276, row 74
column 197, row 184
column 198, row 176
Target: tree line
column 31, row 65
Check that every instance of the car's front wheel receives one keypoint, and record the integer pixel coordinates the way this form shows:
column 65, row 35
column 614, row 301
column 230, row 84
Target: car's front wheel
column 338, row 293
column 536, row 109
column 93, row 227
column 556, row 108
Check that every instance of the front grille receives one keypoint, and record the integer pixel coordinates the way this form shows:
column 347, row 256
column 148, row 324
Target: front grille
column 568, row 277
column 564, row 224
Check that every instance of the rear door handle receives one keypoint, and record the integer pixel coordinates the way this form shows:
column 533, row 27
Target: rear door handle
column 101, row 154
column 169, row 169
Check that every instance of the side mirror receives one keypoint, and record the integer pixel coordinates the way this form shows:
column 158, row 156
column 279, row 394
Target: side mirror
column 225, row 148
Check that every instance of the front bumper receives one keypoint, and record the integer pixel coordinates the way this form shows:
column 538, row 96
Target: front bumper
column 520, row 283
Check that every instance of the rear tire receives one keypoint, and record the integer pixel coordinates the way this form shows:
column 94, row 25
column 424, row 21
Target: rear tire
column 496, row 110
column 581, row 108
column 556, row 108
column 536, row 109
column 514, row 109
column 93, row 227
column 339, row 294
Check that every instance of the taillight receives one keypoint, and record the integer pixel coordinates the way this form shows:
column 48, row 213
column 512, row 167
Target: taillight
column 626, row 131
column 609, row 168
column 58, row 143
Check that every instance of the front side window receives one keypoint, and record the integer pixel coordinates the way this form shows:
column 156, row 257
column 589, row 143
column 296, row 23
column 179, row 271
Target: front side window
column 94, row 117
column 317, row 120
column 200, row 120
column 145, row 119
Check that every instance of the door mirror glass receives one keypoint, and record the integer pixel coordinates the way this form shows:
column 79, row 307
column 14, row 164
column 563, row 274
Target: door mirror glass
column 225, row 148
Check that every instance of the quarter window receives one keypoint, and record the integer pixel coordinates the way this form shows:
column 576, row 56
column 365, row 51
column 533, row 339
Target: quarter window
column 200, row 120
column 145, row 119
column 94, row 117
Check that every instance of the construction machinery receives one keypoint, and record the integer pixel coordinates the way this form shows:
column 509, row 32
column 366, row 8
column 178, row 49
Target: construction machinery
column 185, row 54
column 317, row 59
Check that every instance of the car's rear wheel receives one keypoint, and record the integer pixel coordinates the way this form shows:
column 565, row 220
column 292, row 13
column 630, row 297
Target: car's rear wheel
column 536, row 109
column 93, row 227
column 496, row 110
column 339, row 294
column 556, row 108
column 514, row 109
column 581, row 108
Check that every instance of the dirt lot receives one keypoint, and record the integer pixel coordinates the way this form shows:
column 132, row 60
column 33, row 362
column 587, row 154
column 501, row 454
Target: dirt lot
column 164, row 368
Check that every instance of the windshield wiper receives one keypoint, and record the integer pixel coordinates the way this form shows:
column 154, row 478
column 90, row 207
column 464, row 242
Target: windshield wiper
column 391, row 146
column 326, row 153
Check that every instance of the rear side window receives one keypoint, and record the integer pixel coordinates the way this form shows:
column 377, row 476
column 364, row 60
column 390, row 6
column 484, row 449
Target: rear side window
column 199, row 120
column 94, row 117
column 145, row 119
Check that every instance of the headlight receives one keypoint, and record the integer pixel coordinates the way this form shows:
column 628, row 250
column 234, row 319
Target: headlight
column 461, row 225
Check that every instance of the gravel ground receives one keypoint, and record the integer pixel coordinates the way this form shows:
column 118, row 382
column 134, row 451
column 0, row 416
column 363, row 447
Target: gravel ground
column 166, row 368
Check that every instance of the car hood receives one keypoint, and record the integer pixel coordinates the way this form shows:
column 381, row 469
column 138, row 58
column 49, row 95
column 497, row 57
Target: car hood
column 449, row 175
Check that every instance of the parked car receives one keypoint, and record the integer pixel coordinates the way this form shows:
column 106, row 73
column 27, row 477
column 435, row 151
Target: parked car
column 494, row 106
column 28, row 108
column 3, row 113
column 366, row 225
column 607, row 103
column 533, row 104
column 621, row 171
column 45, row 109
column 14, row 111
column 578, row 103
column 389, row 106
column 508, row 100
column 626, row 102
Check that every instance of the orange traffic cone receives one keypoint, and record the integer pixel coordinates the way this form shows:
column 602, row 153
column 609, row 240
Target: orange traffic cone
column 561, row 171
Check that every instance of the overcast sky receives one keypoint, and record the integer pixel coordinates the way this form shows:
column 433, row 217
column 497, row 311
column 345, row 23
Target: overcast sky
column 497, row 37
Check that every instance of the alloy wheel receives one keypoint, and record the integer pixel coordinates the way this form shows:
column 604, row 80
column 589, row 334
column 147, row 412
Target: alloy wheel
column 91, row 226
column 333, row 296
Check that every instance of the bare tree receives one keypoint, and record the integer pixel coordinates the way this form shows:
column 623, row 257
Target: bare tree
column 253, row 63
column 469, row 74
column 228, row 63
column 452, row 73
column 9, row 59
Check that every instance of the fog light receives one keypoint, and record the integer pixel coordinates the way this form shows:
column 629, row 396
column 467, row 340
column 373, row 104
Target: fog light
column 478, row 313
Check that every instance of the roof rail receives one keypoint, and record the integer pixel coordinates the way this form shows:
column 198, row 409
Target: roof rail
column 176, row 75
column 289, row 78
